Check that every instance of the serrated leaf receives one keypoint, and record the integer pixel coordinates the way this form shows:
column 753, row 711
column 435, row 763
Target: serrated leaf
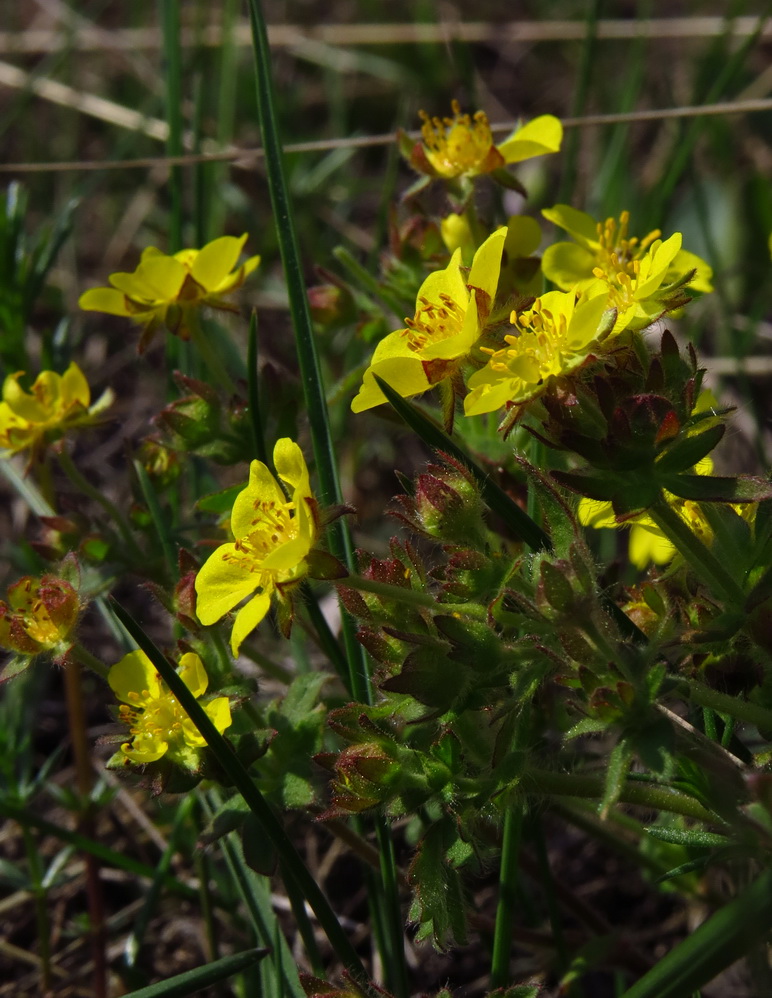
column 563, row 528
column 439, row 901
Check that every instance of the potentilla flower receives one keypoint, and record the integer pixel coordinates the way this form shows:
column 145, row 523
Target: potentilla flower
column 54, row 404
column 638, row 272
column 551, row 338
column 39, row 616
column 273, row 539
column 451, row 310
column 164, row 290
column 463, row 146
column 158, row 724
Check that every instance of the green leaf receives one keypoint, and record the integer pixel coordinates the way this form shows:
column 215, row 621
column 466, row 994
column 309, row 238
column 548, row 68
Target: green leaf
column 561, row 521
column 616, row 776
column 518, row 521
column 439, row 901
column 711, row 488
column 688, row 837
column 728, row 935
column 193, row 981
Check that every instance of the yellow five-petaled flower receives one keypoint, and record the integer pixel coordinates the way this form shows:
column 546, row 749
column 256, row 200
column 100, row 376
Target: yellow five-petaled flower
column 451, row 310
column 54, row 404
column 157, row 722
column 164, row 290
column 273, row 535
column 462, row 146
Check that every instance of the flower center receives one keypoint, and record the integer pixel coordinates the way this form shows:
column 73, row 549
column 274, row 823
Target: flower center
column 619, row 259
column 537, row 349
column 459, row 144
column 433, row 323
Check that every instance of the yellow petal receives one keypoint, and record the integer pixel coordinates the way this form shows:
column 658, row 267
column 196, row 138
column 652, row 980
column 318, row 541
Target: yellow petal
column 646, row 546
column 405, row 375
column 219, row 713
column 595, row 513
column 145, row 748
column 486, row 265
column 566, row 264
column 285, row 557
column 108, row 300
column 261, row 488
column 193, row 674
column 158, row 278
column 74, row 387
column 579, row 224
column 523, row 236
column 248, row 618
column 449, row 281
column 224, row 580
column 291, row 465
column 214, row 263
column 134, row 679
column 540, row 136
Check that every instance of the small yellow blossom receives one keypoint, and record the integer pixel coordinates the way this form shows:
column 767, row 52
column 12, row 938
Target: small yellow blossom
column 273, row 538
column 451, row 310
column 157, row 722
column 164, row 290
column 54, row 404
column 550, row 339
column 39, row 616
column 463, row 146
column 638, row 272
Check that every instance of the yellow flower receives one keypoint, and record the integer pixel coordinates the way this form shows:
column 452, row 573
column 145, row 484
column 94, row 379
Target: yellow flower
column 451, row 310
column 552, row 338
column 462, row 146
column 633, row 269
column 273, row 538
column 39, row 616
column 164, row 290
column 54, row 404
column 158, row 724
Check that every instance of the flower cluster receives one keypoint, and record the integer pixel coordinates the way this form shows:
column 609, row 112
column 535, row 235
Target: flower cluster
column 54, row 404
column 158, row 724
column 164, row 291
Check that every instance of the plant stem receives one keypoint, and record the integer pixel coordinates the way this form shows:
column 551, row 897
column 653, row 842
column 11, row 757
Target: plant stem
column 84, row 657
column 508, row 877
column 413, row 598
column 694, row 551
column 544, row 781
column 83, row 484
column 723, row 703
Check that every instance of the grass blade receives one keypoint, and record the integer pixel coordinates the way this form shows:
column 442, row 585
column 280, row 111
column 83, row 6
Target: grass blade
column 519, row 522
column 193, row 981
column 728, row 935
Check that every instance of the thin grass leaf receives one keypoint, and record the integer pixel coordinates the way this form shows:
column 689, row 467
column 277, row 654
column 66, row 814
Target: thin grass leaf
column 243, row 782
column 730, row 934
column 519, row 522
column 193, row 981
column 253, row 395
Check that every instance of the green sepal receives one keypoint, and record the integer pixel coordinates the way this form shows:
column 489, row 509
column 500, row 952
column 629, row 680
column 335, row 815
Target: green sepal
column 688, row 451
column 507, row 180
column 323, row 565
column 712, row 488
